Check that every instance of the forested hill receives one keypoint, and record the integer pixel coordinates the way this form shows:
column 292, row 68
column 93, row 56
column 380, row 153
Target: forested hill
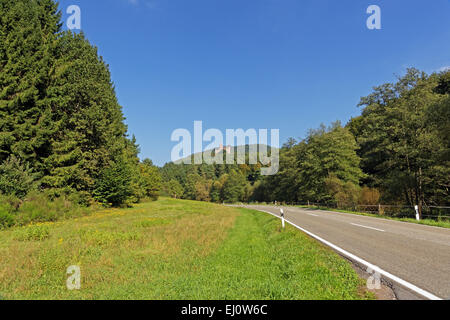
column 396, row 152
column 216, row 182
column 62, row 130
column 233, row 151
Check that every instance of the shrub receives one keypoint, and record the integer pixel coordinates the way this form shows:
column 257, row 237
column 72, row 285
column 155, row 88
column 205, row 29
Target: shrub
column 369, row 196
column 12, row 202
column 6, row 217
column 16, row 178
column 344, row 194
column 114, row 185
column 82, row 198
column 39, row 207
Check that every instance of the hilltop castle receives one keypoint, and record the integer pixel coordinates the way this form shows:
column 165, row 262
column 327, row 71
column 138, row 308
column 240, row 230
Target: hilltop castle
column 227, row 149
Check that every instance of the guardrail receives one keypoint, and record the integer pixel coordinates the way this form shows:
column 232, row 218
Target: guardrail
column 396, row 211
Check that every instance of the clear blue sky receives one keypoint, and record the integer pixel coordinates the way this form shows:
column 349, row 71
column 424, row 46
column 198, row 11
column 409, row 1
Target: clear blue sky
column 283, row 64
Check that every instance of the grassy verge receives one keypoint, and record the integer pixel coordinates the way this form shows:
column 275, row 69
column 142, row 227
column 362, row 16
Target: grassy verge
column 172, row 249
column 428, row 222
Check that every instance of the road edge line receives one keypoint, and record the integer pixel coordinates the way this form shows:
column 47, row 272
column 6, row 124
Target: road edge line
column 351, row 256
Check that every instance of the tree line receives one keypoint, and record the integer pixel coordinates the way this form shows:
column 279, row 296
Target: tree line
column 63, row 137
column 396, row 152
column 62, row 130
column 212, row 182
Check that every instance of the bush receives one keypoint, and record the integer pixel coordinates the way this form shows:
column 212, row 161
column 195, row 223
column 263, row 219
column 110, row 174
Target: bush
column 39, row 207
column 6, row 217
column 344, row 194
column 16, row 178
column 369, row 196
column 114, row 185
column 81, row 198
column 37, row 211
column 12, row 202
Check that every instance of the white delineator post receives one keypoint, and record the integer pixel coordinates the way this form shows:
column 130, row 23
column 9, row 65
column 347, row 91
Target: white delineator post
column 282, row 217
column 417, row 213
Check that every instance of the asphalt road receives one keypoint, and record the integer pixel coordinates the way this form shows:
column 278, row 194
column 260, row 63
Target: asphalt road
column 416, row 253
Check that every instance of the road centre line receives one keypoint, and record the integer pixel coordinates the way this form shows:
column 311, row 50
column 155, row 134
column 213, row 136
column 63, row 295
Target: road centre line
column 360, row 225
column 311, row 214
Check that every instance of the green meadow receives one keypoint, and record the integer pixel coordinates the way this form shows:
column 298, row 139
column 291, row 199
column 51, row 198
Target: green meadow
column 172, row 249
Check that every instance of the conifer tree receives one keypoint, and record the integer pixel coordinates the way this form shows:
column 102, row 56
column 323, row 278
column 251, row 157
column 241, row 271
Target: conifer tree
column 28, row 33
column 58, row 108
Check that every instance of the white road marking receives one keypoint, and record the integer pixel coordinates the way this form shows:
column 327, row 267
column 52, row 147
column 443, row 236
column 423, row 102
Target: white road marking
column 311, row 214
column 360, row 225
column 400, row 281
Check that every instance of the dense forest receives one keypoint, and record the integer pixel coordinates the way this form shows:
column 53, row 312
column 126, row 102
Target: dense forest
column 397, row 152
column 63, row 141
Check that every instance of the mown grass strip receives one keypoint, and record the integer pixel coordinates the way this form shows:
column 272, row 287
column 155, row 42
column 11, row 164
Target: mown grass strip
column 172, row 249
column 260, row 261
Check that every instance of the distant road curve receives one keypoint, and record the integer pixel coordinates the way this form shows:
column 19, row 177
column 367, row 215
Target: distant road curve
column 417, row 254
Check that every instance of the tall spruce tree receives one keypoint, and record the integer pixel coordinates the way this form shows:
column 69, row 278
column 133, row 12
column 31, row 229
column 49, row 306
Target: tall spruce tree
column 58, row 109
column 91, row 133
column 28, row 33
